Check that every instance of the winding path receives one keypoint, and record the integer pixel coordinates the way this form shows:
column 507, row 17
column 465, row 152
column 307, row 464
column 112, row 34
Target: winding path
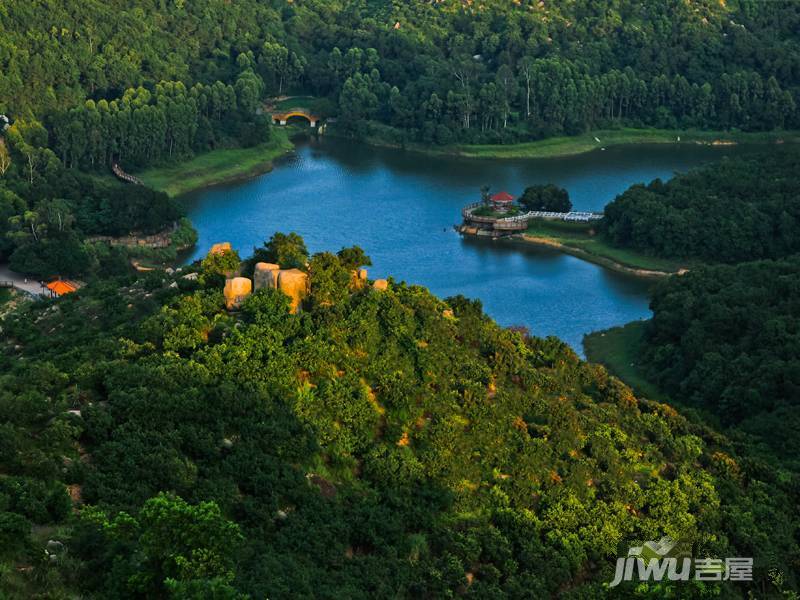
column 20, row 282
column 117, row 170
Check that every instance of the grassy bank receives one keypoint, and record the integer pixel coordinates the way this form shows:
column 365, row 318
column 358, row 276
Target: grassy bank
column 218, row 166
column 618, row 350
column 565, row 146
column 579, row 144
column 578, row 240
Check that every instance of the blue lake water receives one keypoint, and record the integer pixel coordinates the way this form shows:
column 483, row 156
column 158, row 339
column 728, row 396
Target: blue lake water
column 400, row 207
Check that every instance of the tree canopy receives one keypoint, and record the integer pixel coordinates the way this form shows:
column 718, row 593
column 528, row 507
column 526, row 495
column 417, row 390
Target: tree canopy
column 550, row 198
column 386, row 443
column 731, row 211
column 433, row 72
column 726, row 339
column 47, row 211
column 375, row 444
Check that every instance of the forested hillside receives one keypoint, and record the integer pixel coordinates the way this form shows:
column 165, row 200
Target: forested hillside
column 47, row 210
column 377, row 444
column 487, row 71
column 735, row 210
column 724, row 338
column 170, row 123
column 727, row 339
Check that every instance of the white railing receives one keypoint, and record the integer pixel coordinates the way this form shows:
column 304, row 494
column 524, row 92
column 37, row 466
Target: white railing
column 580, row 216
column 520, row 222
column 467, row 210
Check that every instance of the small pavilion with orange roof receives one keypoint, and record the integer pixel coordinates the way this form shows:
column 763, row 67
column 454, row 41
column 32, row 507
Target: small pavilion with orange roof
column 60, row 287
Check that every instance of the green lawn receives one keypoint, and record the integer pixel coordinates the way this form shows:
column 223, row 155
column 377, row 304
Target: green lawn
column 618, row 350
column 577, row 144
column 217, row 166
column 577, row 239
column 569, row 145
column 296, row 102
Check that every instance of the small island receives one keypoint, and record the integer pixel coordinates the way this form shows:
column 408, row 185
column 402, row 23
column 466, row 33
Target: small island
column 501, row 215
column 543, row 216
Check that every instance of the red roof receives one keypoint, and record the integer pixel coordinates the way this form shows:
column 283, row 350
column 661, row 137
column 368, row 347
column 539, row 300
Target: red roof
column 59, row 288
column 502, row 197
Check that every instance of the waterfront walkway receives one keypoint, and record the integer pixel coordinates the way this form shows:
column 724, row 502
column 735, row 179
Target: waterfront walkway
column 520, row 222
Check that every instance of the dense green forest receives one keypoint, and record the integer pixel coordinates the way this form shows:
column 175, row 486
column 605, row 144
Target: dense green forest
column 489, row 71
column 724, row 337
column 48, row 202
column 172, row 122
column 739, row 209
column 377, row 444
column 47, row 210
column 727, row 339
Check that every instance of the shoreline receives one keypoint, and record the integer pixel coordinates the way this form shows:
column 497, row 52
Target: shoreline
column 602, row 261
column 218, row 167
column 579, row 241
column 617, row 349
column 230, row 165
column 225, row 166
column 561, row 146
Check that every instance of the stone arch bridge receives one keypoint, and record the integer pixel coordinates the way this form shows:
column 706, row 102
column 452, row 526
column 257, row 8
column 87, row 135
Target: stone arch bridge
column 280, row 118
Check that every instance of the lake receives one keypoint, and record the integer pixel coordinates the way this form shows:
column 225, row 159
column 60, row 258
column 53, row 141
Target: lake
column 400, row 207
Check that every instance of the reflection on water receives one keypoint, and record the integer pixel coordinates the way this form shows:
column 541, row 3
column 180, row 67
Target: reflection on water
column 400, row 207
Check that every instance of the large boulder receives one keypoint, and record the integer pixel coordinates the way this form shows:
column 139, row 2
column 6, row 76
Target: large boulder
column 236, row 290
column 293, row 283
column 358, row 279
column 220, row 248
column 380, row 285
column 265, row 276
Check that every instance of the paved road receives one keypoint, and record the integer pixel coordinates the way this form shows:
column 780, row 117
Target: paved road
column 30, row 285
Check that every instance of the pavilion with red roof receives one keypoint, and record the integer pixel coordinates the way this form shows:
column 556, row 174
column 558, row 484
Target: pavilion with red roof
column 501, row 202
column 59, row 288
